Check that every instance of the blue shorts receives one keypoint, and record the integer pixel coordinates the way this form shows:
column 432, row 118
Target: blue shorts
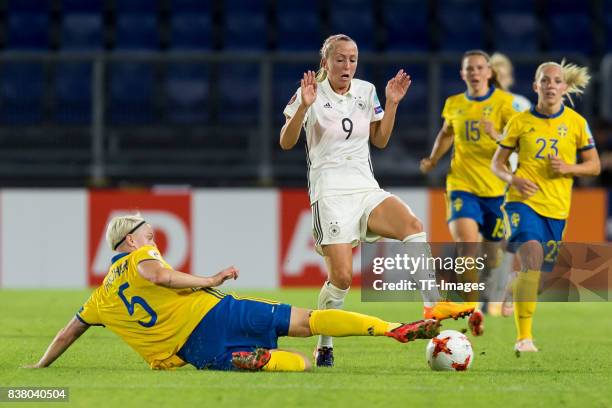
column 235, row 325
column 486, row 211
column 527, row 225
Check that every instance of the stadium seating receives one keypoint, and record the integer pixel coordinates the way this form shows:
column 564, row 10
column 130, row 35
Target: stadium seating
column 137, row 6
column 131, row 89
column 187, row 87
column 83, row 6
column 82, row 31
column 298, row 30
column 21, row 93
column 191, row 31
column 358, row 24
column 461, row 25
column 73, row 93
column 516, row 32
column 35, row 37
column 239, row 93
column 245, row 26
column 191, row 6
column 570, row 32
column 135, row 31
column 407, row 25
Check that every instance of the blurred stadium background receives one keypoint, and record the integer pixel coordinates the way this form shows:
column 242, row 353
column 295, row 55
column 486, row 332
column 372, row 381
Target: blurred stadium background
column 99, row 94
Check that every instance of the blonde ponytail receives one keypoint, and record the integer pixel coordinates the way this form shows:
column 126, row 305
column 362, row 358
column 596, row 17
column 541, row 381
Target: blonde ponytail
column 326, row 50
column 500, row 63
column 576, row 77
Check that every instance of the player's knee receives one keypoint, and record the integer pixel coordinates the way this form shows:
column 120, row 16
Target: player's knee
column 342, row 279
column 531, row 255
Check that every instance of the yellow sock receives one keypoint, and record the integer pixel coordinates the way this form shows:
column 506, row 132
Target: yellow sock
column 340, row 323
column 525, row 292
column 285, row 361
column 470, row 276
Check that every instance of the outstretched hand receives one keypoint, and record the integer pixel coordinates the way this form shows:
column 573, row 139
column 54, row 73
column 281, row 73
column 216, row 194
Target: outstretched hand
column 308, row 88
column 225, row 274
column 397, row 87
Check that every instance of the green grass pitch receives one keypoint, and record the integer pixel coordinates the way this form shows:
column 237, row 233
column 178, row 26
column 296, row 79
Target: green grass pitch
column 574, row 367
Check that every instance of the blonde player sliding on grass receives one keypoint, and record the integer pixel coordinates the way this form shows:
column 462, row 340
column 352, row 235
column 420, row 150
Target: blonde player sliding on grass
column 342, row 116
column 172, row 318
column 473, row 121
column 549, row 138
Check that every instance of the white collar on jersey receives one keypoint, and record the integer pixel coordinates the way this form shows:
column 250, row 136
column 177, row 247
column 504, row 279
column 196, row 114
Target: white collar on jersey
column 333, row 94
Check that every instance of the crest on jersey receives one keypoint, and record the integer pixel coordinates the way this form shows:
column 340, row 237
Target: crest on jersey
column 457, row 204
column 562, row 130
column 515, row 219
column 155, row 254
column 361, row 105
column 487, row 110
column 334, row 230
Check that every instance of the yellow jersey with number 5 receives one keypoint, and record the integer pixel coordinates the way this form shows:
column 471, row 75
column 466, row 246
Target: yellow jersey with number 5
column 470, row 168
column 537, row 137
column 155, row 321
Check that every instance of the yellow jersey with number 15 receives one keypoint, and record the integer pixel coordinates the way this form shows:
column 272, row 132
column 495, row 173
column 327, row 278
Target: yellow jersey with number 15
column 537, row 137
column 155, row 321
column 470, row 168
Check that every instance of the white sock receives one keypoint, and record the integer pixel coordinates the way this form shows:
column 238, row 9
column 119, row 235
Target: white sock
column 330, row 297
column 430, row 296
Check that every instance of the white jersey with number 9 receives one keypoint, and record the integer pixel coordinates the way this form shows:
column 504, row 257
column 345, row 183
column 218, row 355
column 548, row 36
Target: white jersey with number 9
column 338, row 139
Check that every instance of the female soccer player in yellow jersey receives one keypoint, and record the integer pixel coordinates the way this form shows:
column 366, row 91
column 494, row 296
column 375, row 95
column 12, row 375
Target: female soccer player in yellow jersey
column 341, row 116
column 548, row 138
column 472, row 124
column 172, row 318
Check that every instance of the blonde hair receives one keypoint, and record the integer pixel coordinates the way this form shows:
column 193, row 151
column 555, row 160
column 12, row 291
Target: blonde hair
column 486, row 56
column 326, row 50
column 499, row 62
column 576, row 77
column 119, row 227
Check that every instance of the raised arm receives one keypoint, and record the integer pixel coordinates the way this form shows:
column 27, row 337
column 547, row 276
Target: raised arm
column 155, row 272
column 290, row 133
column 444, row 141
column 64, row 339
column 380, row 131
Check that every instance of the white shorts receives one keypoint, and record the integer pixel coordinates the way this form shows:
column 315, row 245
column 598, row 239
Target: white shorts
column 343, row 219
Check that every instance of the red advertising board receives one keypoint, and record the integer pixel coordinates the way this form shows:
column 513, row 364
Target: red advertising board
column 299, row 264
column 169, row 214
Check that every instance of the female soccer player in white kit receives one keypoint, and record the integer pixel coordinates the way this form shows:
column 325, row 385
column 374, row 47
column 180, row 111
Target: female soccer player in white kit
column 341, row 116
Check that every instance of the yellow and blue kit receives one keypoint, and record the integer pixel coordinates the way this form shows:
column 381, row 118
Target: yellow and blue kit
column 537, row 137
column 171, row 327
column 473, row 191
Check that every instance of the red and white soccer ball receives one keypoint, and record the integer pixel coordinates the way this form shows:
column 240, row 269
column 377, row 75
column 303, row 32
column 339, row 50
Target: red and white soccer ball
column 449, row 351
